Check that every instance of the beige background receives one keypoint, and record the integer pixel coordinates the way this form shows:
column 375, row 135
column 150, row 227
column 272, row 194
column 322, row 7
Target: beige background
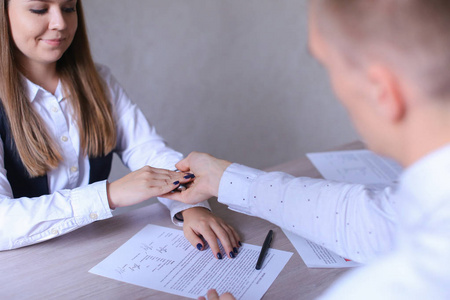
column 230, row 77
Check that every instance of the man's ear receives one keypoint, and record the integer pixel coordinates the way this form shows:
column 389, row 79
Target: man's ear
column 387, row 92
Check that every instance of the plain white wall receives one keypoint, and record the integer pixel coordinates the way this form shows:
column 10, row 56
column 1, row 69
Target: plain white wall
column 230, row 77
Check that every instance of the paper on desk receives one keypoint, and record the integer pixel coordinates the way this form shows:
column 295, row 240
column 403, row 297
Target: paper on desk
column 161, row 258
column 316, row 256
column 357, row 166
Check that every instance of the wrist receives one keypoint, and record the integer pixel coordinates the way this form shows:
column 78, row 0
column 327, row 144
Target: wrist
column 108, row 195
column 221, row 166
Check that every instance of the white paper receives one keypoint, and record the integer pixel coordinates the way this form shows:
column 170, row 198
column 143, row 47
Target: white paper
column 316, row 256
column 356, row 166
column 161, row 258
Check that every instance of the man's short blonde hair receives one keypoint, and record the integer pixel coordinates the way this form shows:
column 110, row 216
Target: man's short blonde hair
column 411, row 36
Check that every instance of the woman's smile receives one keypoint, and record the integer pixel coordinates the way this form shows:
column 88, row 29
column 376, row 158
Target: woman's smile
column 54, row 42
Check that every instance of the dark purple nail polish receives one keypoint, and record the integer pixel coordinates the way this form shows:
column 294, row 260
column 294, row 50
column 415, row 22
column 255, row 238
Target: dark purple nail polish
column 240, row 244
column 189, row 176
column 176, row 183
column 235, row 250
column 219, row 256
column 232, row 255
column 199, row 246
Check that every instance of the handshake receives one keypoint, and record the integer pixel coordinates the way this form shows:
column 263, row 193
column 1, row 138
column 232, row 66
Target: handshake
column 199, row 178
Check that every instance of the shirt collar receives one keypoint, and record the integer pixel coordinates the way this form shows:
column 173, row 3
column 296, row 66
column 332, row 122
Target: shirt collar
column 424, row 186
column 35, row 91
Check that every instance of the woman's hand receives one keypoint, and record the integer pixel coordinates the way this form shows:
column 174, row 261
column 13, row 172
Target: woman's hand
column 142, row 185
column 199, row 221
column 212, row 295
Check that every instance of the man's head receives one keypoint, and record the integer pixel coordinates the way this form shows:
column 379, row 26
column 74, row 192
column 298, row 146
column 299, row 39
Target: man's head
column 382, row 57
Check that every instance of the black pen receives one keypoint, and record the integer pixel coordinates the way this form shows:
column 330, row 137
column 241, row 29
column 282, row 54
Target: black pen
column 264, row 250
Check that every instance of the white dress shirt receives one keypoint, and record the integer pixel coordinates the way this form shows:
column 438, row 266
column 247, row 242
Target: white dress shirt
column 73, row 202
column 402, row 235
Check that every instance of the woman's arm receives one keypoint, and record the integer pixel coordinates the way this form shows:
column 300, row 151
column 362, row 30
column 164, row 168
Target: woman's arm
column 139, row 144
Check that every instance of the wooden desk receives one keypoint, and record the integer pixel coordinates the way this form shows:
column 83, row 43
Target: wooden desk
column 58, row 269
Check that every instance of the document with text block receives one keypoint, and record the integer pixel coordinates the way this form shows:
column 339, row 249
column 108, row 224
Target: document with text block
column 161, row 258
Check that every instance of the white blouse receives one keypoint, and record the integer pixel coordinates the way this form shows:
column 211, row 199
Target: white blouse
column 72, row 202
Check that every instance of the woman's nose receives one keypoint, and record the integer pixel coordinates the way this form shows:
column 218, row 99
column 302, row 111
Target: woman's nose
column 57, row 21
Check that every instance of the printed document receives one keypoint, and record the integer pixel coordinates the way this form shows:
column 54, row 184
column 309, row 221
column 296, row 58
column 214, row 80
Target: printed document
column 162, row 258
column 358, row 166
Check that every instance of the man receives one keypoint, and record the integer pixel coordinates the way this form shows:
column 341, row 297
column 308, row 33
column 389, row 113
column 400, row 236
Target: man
column 388, row 61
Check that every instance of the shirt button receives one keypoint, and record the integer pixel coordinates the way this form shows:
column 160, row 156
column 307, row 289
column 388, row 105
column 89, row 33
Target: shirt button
column 55, row 109
column 64, row 138
column 93, row 216
column 55, row 231
column 73, row 169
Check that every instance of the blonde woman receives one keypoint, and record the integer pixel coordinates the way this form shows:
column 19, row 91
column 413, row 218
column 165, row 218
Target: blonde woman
column 62, row 118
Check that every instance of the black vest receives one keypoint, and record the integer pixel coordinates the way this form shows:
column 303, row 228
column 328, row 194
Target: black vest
column 21, row 183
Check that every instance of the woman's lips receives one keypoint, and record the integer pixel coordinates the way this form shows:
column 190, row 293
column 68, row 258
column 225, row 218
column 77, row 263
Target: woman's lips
column 53, row 42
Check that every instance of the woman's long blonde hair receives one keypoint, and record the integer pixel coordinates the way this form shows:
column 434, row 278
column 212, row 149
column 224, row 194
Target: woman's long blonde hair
column 84, row 88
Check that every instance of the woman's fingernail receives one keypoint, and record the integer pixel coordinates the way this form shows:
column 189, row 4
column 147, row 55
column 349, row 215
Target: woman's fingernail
column 219, row 256
column 232, row 255
column 176, row 183
column 199, row 246
column 240, row 244
column 235, row 250
column 189, row 176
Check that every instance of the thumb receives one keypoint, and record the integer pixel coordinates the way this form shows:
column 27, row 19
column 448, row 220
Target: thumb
column 183, row 165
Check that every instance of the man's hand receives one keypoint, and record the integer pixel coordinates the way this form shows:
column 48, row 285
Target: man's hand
column 208, row 171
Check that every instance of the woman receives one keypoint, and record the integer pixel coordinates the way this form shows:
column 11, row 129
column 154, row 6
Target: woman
column 62, row 117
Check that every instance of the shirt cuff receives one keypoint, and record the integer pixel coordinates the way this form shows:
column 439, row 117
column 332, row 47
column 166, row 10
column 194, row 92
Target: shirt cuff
column 176, row 207
column 90, row 203
column 235, row 185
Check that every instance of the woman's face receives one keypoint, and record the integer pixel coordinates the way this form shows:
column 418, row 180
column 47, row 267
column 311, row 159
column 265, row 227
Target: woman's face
column 42, row 30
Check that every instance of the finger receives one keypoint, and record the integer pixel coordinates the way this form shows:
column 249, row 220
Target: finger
column 161, row 171
column 227, row 240
column 154, row 183
column 162, row 174
column 227, row 296
column 162, row 180
column 212, row 295
column 201, row 298
column 164, row 190
column 177, row 193
column 193, row 238
column 211, row 239
column 231, row 234
column 188, row 196
column 236, row 237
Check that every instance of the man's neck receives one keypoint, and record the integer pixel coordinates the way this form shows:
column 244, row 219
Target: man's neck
column 426, row 130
